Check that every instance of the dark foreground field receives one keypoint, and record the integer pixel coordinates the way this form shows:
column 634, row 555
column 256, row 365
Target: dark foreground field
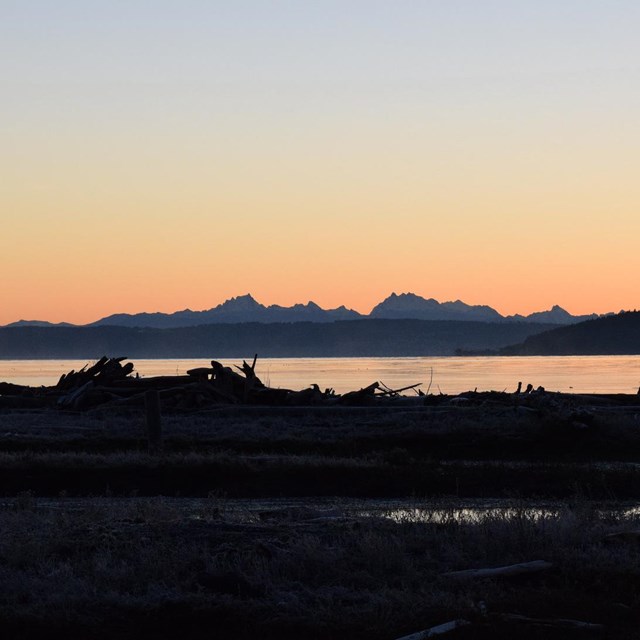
column 268, row 523
column 478, row 449
column 166, row 569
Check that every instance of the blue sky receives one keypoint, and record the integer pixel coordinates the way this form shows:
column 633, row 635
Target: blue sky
column 250, row 122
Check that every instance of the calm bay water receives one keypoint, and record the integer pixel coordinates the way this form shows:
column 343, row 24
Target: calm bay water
column 578, row 374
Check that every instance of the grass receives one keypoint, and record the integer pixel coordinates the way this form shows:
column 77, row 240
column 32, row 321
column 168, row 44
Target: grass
column 381, row 475
column 136, row 564
column 470, row 452
column 455, row 432
column 153, row 568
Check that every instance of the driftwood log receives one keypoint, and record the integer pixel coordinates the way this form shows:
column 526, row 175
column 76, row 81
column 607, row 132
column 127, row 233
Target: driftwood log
column 508, row 571
column 551, row 623
column 500, row 619
column 438, row 630
column 623, row 537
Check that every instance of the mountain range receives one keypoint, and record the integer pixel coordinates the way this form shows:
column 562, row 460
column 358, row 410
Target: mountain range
column 404, row 306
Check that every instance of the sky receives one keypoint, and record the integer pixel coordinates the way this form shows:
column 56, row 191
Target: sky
column 159, row 155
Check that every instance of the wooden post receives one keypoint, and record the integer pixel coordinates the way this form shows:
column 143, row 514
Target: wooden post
column 154, row 420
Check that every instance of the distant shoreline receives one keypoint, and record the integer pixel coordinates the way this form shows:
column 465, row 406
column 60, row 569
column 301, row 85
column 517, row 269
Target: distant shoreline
column 348, row 338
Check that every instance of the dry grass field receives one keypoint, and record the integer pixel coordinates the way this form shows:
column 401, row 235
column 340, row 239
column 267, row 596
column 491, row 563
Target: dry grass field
column 268, row 523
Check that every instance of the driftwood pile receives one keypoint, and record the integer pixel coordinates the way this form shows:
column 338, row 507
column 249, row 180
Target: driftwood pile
column 111, row 382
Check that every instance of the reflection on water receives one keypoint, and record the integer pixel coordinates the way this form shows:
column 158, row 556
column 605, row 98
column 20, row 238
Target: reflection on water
column 470, row 515
column 478, row 513
column 578, row 374
column 400, row 510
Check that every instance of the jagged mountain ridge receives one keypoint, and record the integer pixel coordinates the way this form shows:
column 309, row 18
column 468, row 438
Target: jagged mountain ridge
column 555, row 315
column 410, row 305
column 395, row 307
column 235, row 310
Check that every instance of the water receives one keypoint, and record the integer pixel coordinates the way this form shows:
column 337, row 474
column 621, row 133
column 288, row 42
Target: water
column 247, row 510
column 576, row 374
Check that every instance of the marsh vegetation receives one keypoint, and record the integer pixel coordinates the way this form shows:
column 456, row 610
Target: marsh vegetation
column 142, row 567
column 267, row 522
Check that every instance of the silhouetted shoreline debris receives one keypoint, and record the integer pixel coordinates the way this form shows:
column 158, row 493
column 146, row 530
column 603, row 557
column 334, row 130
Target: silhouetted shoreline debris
column 111, row 382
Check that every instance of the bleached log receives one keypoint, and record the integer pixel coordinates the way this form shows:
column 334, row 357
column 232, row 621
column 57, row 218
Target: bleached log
column 555, row 623
column 72, row 399
column 508, row 571
column 299, row 514
column 438, row 630
column 392, row 392
column 623, row 537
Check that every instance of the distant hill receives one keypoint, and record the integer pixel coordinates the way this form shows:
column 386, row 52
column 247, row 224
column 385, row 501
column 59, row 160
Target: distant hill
column 365, row 337
column 612, row 335
column 39, row 323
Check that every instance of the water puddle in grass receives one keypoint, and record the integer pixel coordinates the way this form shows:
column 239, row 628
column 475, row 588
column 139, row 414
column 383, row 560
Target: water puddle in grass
column 249, row 511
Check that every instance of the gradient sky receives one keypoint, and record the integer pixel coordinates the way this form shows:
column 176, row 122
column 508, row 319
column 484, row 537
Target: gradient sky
column 159, row 155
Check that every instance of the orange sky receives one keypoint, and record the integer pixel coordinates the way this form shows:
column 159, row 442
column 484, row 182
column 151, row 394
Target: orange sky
column 488, row 157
